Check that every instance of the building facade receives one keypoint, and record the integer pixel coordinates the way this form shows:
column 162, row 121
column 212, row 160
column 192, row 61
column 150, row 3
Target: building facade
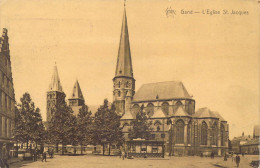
column 170, row 108
column 7, row 96
column 247, row 144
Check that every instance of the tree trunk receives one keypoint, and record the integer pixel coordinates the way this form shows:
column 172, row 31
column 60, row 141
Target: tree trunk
column 62, row 149
column 57, row 147
column 81, row 148
column 109, row 149
column 27, row 144
column 16, row 155
column 103, row 149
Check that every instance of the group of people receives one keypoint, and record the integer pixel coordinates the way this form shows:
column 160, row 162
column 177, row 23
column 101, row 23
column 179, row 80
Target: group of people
column 36, row 153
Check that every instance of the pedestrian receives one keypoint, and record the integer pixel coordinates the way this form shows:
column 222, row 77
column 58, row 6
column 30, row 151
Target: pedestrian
column 211, row 155
column 123, row 155
column 201, row 154
column 44, row 156
column 5, row 157
column 52, row 153
column 225, row 157
column 237, row 160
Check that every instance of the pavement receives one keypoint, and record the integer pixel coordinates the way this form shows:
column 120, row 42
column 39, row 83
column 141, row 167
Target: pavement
column 94, row 161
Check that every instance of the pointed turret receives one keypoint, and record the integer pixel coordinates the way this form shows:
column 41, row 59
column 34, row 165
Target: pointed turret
column 124, row 61
column 76, row 100
column 55, row 94
column 55, row 84
column 76, row 92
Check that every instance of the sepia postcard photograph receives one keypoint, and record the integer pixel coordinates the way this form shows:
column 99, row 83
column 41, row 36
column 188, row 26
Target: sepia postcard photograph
column 129, row 83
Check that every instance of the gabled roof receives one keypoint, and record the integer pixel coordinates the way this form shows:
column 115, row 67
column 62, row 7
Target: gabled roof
column 252, row 142
column 55, row 84
column 4, row 42
column 158, row 113
column 124, row 61
column 219, row 116
column 76, row 92
column 180, row 112
column 161, row 90
column 205, row 113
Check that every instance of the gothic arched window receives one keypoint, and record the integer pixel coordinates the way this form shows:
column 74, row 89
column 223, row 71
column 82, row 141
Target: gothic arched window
column 136, row 108
column 165, row 108
column 119, row 84
column 150, row 109
column 179, row 132
column 214, row 134
column 127, row 84
column 177, row 105
column 189, row 133
column 119, row 93
column 158, row 128
column 204, row 133
column 222, row 134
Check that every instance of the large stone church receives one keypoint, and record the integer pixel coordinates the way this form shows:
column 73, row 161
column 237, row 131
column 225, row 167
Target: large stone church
column 170, row 108
column 56, row 95
column 168, row 104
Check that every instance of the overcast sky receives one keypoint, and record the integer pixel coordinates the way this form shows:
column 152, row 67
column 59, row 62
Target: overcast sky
column 215, row 56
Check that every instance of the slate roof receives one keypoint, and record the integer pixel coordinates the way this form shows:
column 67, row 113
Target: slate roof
column 158, row 113
column 76, row 92
column 55, row 84
column 161, row 91
column 180, row 112
column 205, row 113
column 219, row 116
column 124, row 61
column 252, row 142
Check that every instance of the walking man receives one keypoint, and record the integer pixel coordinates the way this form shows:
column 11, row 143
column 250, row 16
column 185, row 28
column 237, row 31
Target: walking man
column 44, row 156
column 237, row 160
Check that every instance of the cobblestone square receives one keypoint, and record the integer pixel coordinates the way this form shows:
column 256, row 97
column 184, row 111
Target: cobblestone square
column 116, row 162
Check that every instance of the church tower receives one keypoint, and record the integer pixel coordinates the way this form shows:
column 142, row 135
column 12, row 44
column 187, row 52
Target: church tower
column 76, row 100
column 55, row 94
column 124, row 82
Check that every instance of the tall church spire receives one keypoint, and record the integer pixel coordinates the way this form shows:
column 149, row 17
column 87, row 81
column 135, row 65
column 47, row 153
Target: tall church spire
column 55, row 84
column 76, row 92
column 124, row 82
column 124, row 62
